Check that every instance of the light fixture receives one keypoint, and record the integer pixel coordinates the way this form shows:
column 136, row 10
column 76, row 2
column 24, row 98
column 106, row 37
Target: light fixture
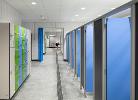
column 76, row 15
column 99, row 15
column 79, row 29
column 83, row 8
column 112, row 8
column 52, row 35
column 34, row 3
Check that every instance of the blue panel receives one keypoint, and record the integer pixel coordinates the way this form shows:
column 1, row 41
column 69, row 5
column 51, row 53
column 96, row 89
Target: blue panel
column 20, row 58
column 78, row 51
column 89, row 58
column 73, row 49
column 118, row 59
column 68, row 51
column 40, row 44
column 69, row 48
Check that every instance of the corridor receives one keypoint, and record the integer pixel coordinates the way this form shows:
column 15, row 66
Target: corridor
column 42, row 83
column 68, row 50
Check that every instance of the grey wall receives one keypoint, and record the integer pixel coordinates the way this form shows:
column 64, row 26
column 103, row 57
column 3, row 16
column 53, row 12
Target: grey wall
column 9, row 13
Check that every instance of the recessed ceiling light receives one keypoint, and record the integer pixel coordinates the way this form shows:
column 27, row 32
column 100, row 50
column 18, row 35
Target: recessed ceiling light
column 83, row 8
column 99, row 15
column 112, row 8
column 34, row 3
column 76, row 15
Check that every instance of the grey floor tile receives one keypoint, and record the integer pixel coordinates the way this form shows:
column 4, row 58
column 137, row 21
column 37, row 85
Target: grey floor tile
column 70, row 86
column 42, row 83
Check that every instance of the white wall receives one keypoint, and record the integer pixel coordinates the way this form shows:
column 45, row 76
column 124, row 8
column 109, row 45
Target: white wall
column 9, row 13
column 68, row 26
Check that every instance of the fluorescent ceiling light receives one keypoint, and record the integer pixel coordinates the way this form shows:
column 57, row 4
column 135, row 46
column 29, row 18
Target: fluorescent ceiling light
column 112, row 8
column 99, row 15
column 76, row 15
column 52, row 35
column 83, row 8
column 34, row 3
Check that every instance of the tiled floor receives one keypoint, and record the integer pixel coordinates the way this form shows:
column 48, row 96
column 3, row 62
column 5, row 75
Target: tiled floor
column 42, row 84
column 70, row 86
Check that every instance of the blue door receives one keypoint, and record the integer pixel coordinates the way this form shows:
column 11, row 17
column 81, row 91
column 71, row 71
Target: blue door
column 69, row 46
column 72, row 48
column 40, row 44
column 118, row 59
column 20, row 54
column 78, row 51
column 89, row 58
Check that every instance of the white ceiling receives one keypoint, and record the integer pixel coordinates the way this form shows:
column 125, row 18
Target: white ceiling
column 64, row 10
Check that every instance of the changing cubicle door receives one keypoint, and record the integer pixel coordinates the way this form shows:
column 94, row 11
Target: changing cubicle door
column 69, row 48
column 118, row 59
column 78, row 51
column 89, row 58
column 73, row 49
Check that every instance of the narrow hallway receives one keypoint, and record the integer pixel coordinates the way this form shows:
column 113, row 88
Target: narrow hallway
column 42, row 83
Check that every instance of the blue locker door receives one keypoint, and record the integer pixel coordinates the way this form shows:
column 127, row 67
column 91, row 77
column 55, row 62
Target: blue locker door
column 89, row 58
column 40, row 44
column 78, row 51
column 73, row 48
column 20, row 56
column 118, row 59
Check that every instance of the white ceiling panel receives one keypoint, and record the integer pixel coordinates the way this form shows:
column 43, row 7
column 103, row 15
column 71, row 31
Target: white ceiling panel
column 64, row 10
